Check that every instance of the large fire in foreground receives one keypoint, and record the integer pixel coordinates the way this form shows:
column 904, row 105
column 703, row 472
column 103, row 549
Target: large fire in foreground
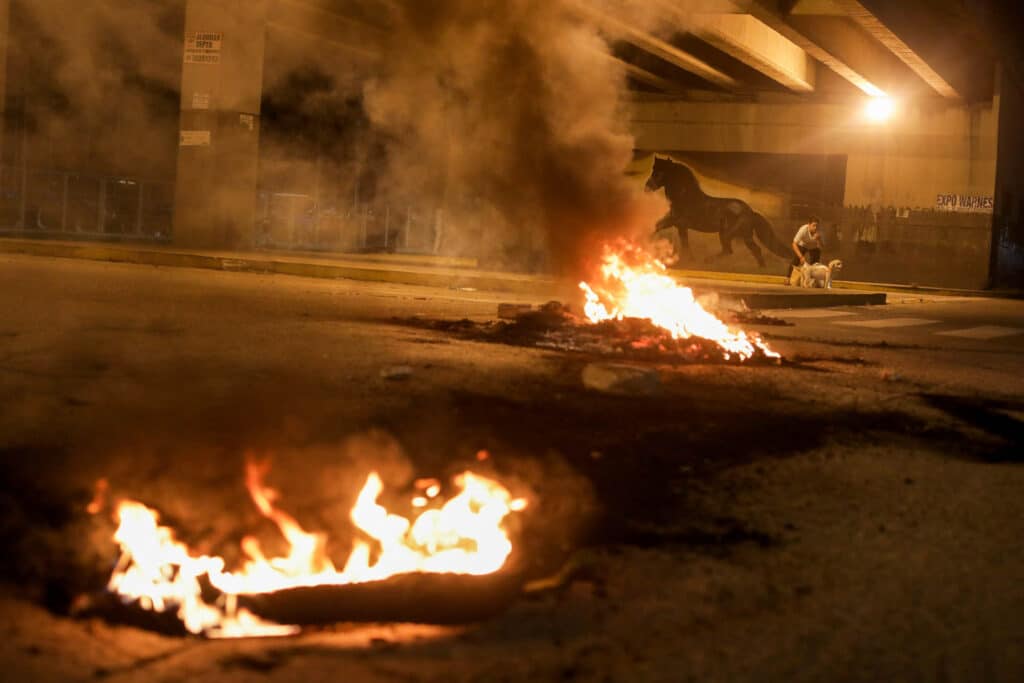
column 635, row 284
column 159, row 573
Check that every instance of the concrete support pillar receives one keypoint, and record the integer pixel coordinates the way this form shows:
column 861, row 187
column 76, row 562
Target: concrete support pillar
column 218, row 154
column 5, row 18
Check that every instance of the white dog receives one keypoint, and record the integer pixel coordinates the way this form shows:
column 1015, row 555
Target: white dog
column 816, row 275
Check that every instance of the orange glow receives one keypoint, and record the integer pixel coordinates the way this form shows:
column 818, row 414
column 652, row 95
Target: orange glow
column 879, row 109
column 99, row 497
column 463, row 536
column 634, row 284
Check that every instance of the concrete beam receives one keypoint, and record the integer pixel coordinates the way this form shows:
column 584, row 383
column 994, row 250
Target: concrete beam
column 759, row 46
column 760, row 10
column 341, row 49
column 861, row 51
column 824, row 8
column 645, row 41
column 308, row 19
column 860, row 14
column 647, row 78
column 772, row 13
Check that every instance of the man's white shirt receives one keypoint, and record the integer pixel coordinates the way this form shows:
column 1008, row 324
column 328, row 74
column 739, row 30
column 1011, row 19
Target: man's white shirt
column 806, row 240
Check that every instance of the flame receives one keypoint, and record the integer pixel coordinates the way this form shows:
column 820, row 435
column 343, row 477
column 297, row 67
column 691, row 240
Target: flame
column 464, row 535
column 634, row 284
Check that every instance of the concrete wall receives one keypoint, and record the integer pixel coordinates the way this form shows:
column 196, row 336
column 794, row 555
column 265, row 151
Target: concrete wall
column 895, row 172
column 1007, row 267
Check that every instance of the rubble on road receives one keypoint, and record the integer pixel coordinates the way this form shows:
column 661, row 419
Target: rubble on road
column 616, row 378
column 512, row 311
column 396, row 372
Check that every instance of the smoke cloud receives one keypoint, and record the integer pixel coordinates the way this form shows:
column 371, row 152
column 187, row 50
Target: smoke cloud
column 499, row 124
column 96, row 84
column 508, row 113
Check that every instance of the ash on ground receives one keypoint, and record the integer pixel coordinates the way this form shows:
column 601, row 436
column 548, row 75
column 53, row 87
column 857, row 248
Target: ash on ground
column 554, row 326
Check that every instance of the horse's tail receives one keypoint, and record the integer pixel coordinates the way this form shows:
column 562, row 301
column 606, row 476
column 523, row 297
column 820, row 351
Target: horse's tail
column 767, row 237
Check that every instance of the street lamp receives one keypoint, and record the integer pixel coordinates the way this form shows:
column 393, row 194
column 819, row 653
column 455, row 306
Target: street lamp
column 879, row 109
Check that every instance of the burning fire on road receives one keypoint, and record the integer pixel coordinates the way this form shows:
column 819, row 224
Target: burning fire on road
column 633, row 309
column 634, row 284
column 448, row 545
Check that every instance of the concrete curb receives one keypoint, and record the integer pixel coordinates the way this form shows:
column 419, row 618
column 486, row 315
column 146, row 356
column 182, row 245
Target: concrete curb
column 766, row 300
column 371, row 270
column 402, row 270
column 748, row 278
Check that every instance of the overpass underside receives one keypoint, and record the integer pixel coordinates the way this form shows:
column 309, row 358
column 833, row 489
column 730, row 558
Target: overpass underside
column 244, row 127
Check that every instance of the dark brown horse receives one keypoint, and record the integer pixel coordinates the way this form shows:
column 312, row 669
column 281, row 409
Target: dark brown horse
column 691, row 209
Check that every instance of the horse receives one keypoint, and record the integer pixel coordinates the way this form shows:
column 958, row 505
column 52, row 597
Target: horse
column 691, row 209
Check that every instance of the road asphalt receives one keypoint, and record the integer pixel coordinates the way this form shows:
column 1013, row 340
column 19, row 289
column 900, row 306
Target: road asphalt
column 852, row 513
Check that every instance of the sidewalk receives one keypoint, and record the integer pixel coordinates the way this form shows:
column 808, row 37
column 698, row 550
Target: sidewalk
column 432, row 271
column 410, row 269
column 769, row 292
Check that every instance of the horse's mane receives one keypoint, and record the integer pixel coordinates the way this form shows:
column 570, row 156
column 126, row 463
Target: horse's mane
column 679, row 171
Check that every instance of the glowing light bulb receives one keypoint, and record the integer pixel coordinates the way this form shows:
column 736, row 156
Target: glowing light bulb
column 879, row 109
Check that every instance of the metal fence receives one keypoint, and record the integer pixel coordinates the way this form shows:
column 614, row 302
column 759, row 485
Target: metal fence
column 57, row 203
column 297, row 221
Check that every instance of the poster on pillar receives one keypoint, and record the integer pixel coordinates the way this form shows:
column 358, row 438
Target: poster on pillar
column 203, row 47
column 738, row 212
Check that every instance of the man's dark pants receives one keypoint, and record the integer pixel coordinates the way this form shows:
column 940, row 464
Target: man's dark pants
column 810, row 256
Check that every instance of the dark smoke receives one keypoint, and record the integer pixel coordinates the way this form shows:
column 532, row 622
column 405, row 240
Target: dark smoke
column 94, row 85
column 508, row 113
column 498, row 122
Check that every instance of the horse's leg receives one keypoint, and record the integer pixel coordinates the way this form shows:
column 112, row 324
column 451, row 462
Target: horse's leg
column 725, row 240
column 742, row 228
column 754, row 249
column 745, row 229
column 684, row 243
column 725, row 235
column 670, row 235
column 678, row 240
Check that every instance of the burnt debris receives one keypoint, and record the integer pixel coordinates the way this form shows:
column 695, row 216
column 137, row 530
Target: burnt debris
column 554, row 326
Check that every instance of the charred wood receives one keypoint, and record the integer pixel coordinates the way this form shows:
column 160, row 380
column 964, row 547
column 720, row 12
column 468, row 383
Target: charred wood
column 111, row 609
column 414, row 598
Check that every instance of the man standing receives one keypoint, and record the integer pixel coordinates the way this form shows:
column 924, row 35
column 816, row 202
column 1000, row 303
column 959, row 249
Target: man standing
column 806, row 246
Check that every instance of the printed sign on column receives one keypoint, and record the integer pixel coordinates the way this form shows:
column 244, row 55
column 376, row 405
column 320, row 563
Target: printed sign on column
column 203, row 47
column 195, row 138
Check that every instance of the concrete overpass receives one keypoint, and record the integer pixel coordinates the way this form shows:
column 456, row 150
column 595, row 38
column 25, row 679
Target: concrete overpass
column 723, row 83
column 716, row 83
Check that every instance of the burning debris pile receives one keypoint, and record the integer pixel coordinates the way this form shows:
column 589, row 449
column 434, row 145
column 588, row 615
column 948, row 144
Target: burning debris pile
column 443, row 565
column 633, row 310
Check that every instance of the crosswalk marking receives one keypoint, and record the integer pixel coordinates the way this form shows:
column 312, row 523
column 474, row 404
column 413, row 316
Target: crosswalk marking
column 833, row 316
column 983, row 332
column 808, row 313
column 887, row 322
